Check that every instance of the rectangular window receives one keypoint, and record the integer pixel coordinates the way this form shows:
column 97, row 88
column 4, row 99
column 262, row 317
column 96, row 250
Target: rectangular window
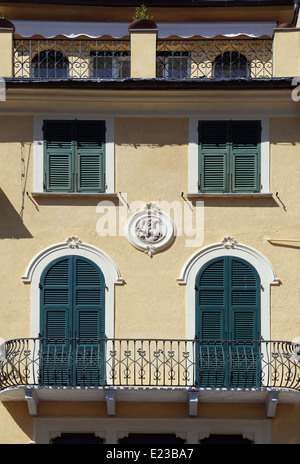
column 229, row 156
column 74, row 156
column 174, row 65
column 110, row 65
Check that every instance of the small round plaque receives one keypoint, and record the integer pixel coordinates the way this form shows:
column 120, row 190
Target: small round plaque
column 150, row 229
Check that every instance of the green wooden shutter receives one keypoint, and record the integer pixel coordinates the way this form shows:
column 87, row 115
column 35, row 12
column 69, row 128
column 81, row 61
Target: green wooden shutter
column 90, row 138
column 56, row 323
column 89, row 322
column 72, row 323
column 244, row 322
column 211, row 323
column 229, row 156
column 213, row 156
column 245, row 156
column 228, row 323
column 58, row 155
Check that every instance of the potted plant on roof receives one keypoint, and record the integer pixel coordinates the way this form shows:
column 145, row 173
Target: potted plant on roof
column 141, row 19
column 5, row 24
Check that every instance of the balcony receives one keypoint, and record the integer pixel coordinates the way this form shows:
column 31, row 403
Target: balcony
column 40, row 369
column 215, row 59
column 74, row 59
column 201, row 59
column 150, row 363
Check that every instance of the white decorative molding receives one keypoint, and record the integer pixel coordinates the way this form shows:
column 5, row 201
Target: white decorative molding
column 113, row 428
column 193, row 403
column 32, row 402
column 228, row 242
column 150, row 229
column 102, row 260
column 73, row 242
column 110, row 397
column 262, row 265
column 271, row 403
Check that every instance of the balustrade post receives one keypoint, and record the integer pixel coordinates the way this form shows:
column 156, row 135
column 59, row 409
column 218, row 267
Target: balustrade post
column 7, row 30
column 143, row 53
column 286, row 51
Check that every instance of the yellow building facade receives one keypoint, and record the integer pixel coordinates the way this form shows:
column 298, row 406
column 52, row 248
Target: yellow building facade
column 149, row 223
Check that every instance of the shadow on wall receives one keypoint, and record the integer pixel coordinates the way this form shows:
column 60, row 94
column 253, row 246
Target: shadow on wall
column 11, row 224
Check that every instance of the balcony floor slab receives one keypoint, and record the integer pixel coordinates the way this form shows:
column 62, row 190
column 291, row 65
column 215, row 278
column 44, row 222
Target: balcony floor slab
column 140, row 394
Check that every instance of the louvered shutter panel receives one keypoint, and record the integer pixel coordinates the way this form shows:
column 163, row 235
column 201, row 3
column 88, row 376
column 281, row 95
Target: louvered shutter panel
column 55, row 323
column 89, row 322
column 211, row 323
column 90, row 137
column 213, row 156
column 245, row 158
column 228, row 324
column 72, row 323
column 244, row 321
column 58, row 155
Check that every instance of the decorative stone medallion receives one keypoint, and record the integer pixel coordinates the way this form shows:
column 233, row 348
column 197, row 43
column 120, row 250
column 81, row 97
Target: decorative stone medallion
column 228, row 242
column 150, row 229
column 73, row 242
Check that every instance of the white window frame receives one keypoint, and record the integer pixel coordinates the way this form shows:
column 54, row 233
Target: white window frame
column 262, row 265
column 115, row 61
column 45, row 257
column 38, row 151
column 194, row 151
column 165, row 61
column 112, row 429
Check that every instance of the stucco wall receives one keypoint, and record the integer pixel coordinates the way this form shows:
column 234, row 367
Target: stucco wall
column 151, row 164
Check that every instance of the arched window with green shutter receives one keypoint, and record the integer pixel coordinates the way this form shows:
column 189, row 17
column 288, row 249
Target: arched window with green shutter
column 228, row 323
column 72, row 321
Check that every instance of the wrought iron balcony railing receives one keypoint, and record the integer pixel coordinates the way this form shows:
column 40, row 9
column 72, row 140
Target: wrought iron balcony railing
column 213, row 59
column 151, row 363
column 76, row 59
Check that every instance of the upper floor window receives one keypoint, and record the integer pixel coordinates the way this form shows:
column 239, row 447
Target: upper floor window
column 229, row 156
column 50, row 64
column 74, row 155
column 110, row 65
column 174, row 65
column 230, row 65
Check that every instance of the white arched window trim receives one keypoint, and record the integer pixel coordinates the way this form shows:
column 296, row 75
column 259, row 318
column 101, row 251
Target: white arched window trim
column 228, row 247
column 72, row 246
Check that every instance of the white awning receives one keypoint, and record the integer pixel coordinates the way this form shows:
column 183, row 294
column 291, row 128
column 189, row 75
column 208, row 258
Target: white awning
column 50, row 29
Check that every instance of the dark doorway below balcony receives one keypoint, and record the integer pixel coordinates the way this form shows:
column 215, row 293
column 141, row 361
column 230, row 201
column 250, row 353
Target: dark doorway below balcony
column 77, row 439
column 223, row 439
column 151, row 439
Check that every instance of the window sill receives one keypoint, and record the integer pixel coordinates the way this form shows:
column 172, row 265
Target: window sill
column 229, row 195
column 73, row 195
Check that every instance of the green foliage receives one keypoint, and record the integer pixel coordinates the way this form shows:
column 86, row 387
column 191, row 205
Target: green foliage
column 141, row 13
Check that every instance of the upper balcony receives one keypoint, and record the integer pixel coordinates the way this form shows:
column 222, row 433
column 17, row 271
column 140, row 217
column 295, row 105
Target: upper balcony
column 255, row 54
column 199, row 59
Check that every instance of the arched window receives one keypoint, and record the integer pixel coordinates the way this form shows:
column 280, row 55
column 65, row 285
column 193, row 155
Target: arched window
column 72, row 304
column 72, row 322
column 228, row 323
column 230, row 65
column 219, row 312
column 50, row 64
